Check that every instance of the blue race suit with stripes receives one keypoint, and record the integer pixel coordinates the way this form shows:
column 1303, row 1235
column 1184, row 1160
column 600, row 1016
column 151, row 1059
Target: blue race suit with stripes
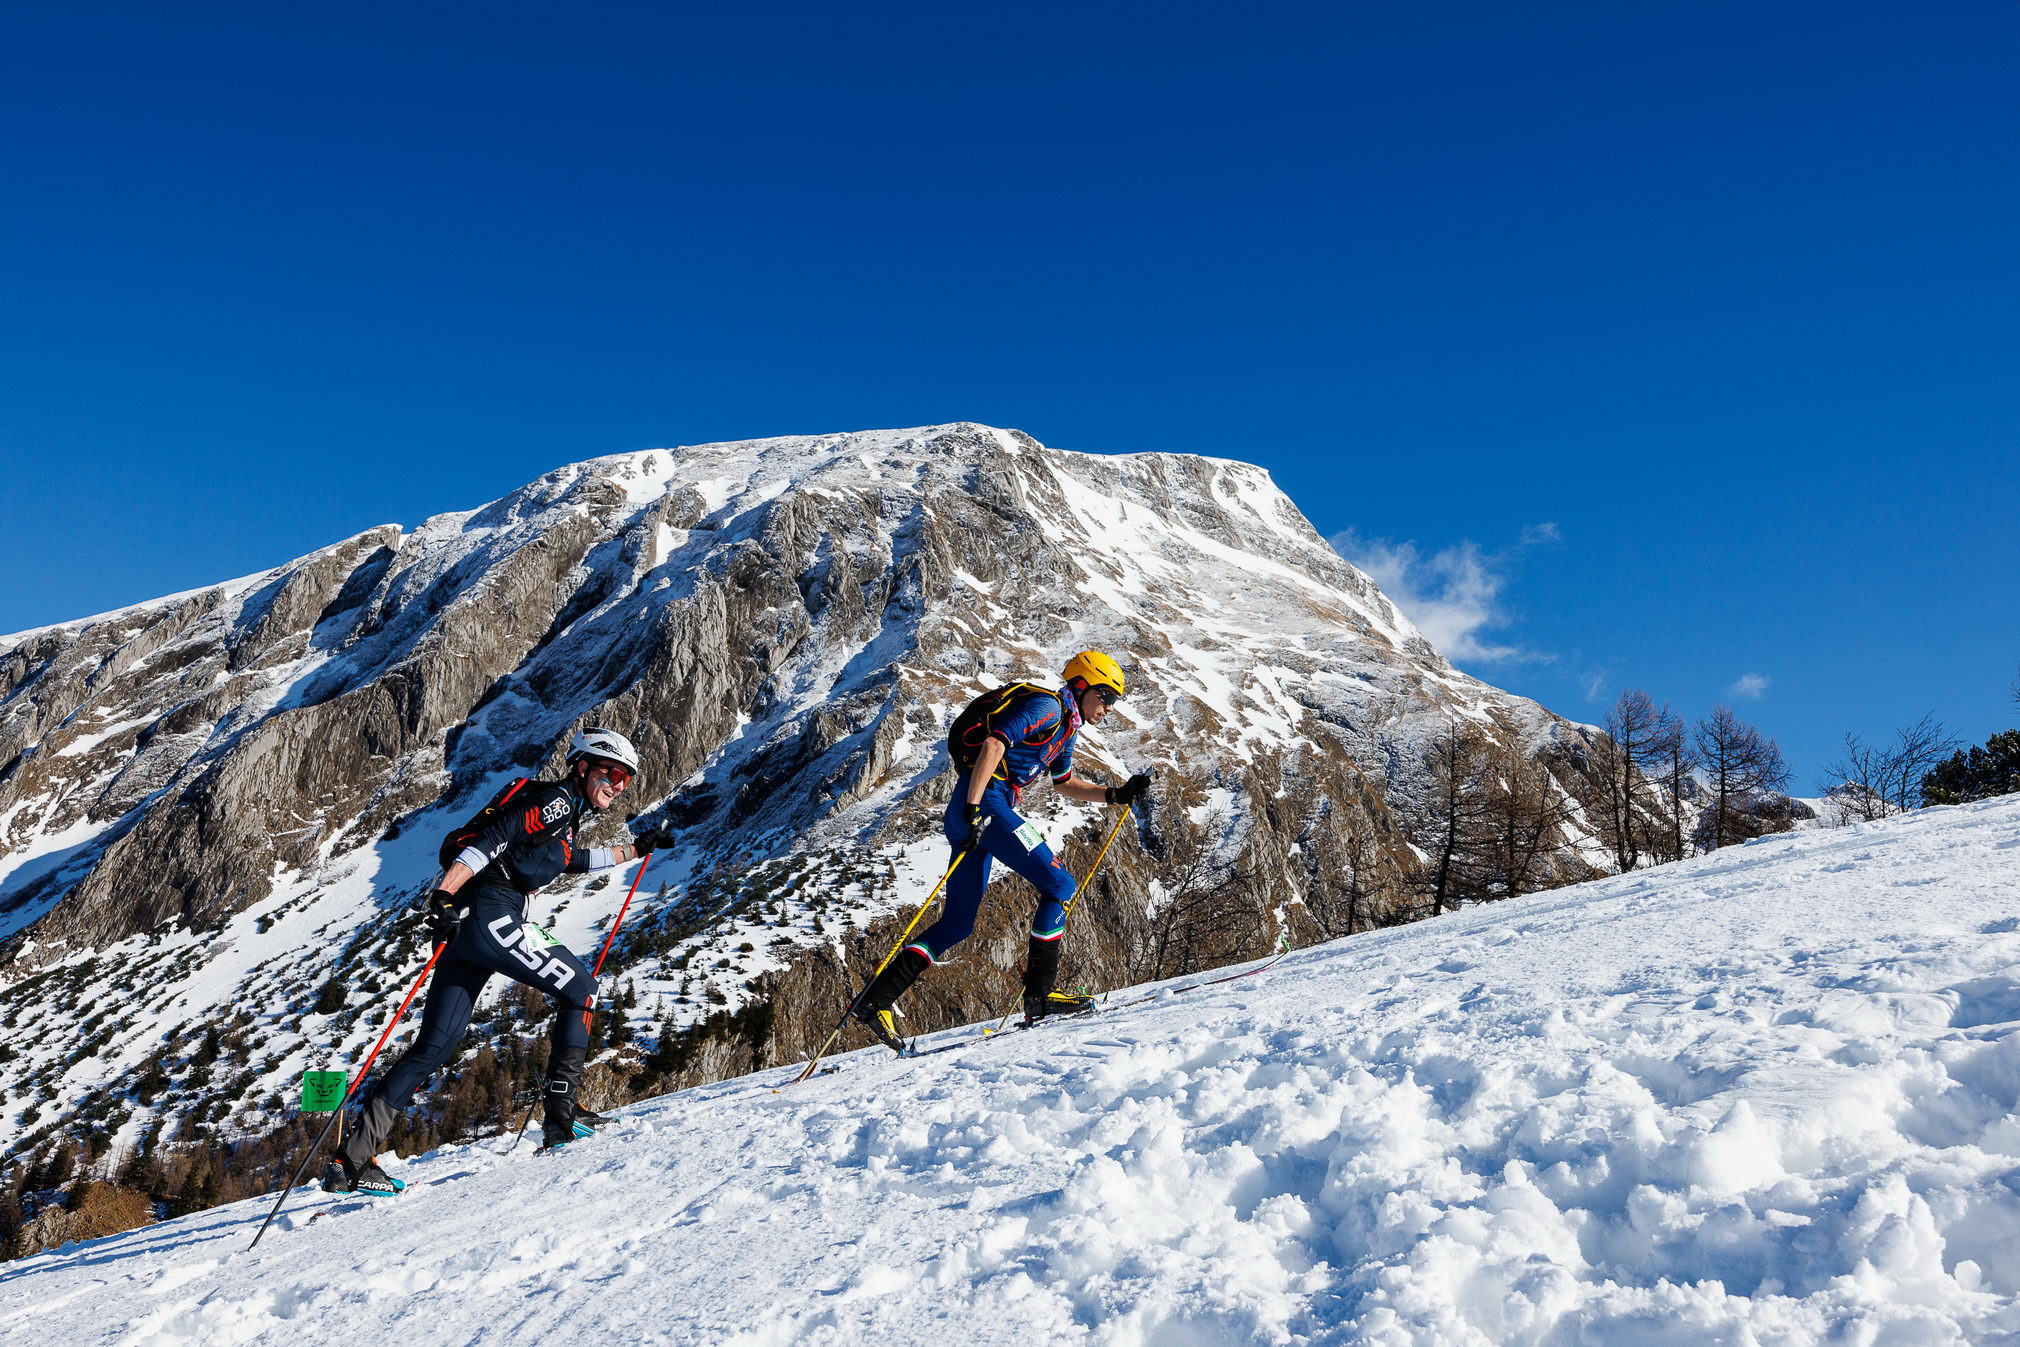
column 1037, row 733
column 1008, row 839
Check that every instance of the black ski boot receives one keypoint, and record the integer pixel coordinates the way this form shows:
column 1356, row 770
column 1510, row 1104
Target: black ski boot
column 590, row 1118
column 873, row 1007
column 1041, row 970
column 346, row 1176
column 881, row 1022
column 1054, row 1004
column 559, row 1123
column 356, row 1166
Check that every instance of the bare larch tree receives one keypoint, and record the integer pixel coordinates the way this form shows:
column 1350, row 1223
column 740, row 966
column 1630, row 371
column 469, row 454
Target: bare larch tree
column 1740, row 765
column 1872, row 781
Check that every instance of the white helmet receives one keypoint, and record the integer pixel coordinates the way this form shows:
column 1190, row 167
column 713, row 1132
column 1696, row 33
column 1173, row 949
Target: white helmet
column 599, row 743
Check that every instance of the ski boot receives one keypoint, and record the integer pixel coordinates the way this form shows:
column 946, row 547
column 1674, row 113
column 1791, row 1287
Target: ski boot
column 585, row 1124
column 883, row 1023
column 552, row 1139
column 581, row 1127
column 1052, row 1005
column 344, row 1176
column 590, row 1118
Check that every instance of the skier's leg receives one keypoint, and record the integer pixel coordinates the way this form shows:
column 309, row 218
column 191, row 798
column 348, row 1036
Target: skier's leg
column 960, row 900
column 444, row 1016
column 1024, row 851
column 503, row 941
column 567, row 1048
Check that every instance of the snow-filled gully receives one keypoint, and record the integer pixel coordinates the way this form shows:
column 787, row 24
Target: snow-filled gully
column 1767, row 1096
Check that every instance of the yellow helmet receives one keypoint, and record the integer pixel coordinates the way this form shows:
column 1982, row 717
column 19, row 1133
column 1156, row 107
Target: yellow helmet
column 1095, row 669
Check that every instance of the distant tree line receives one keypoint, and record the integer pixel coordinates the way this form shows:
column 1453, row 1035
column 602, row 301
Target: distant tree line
column 1479, row 818
column 1496, row 822
column 1487, row 821
column 1921, row 764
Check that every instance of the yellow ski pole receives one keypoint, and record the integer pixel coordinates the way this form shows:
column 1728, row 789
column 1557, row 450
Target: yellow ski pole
column 1099, row 856
column 835, row 1033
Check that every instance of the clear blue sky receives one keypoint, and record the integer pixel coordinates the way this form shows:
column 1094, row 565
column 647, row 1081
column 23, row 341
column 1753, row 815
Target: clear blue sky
column 1727, row 293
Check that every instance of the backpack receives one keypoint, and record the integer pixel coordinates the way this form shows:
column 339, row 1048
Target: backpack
column 452, row 845
column 970, row 729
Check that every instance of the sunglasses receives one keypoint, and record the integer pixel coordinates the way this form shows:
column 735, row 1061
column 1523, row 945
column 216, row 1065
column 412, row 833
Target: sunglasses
column 617, row 774
column 1109, row 696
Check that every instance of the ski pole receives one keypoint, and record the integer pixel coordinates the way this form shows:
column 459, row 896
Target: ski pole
column 1099, row 857
column 1064, row 916
column 835, row 1032
column 356, row 1081
column 642, row 862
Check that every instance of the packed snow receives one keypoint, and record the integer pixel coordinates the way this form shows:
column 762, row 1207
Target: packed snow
column 1767, row 1095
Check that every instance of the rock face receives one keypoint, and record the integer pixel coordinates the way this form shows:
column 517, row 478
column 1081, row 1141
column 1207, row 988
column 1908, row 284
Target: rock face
column 254, row 775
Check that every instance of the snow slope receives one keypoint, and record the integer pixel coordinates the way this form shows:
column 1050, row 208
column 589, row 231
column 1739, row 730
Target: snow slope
column 1765, row 1096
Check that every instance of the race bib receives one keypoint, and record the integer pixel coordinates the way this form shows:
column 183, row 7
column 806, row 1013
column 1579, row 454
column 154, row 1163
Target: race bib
column 537, row 938
column 1028, row 834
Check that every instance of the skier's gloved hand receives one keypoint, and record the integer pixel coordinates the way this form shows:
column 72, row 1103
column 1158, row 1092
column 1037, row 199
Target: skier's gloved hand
column 445, row 911
column 651, row 840
column 975, row 825
column 1130, row 791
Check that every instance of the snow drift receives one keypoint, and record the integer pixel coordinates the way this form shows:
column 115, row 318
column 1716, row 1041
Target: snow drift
column 1767, row 1095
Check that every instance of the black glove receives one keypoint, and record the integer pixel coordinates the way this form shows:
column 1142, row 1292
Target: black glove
column 976, row 823
column 445, row 913
column 651, row 840
column 1130, row 791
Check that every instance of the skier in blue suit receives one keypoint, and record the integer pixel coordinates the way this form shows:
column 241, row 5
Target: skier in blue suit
column 1004, row 742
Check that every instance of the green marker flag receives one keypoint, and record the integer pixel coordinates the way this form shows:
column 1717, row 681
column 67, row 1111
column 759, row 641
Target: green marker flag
column 323, row 1091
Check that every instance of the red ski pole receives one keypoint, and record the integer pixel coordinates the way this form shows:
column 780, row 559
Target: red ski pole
column 642, row 862
column 356, row 1081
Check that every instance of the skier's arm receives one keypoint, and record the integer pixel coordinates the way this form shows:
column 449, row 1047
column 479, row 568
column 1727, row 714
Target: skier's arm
column 1127, row 793
column 1073, row 788
column 600, row 858
column 539, row 809
column 985, row 767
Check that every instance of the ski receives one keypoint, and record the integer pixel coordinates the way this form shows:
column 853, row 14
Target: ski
column 349, row 1202
column 1283, row 948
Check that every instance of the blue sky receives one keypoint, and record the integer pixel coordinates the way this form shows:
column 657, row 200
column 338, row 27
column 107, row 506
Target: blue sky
column 1660, row 345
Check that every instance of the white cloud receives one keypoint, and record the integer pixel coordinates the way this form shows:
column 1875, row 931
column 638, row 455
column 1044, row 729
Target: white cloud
column 1594, row 683
column 1452, row 595
column 1751, row 685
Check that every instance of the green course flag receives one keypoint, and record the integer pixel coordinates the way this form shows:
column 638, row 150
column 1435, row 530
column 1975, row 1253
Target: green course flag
column 323, row 1091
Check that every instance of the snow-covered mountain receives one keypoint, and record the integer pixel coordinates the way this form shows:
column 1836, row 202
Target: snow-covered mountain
column 214, row 805
column 1770, row 1095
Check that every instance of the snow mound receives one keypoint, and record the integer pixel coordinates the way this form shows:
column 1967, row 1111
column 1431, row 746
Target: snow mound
column 1764, row 1096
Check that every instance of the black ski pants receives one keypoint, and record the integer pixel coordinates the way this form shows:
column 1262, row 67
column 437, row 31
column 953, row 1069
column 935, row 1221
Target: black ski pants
column 493, row 937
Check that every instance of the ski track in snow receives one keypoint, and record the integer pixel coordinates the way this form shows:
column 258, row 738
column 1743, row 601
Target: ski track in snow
column 1766, row 1096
